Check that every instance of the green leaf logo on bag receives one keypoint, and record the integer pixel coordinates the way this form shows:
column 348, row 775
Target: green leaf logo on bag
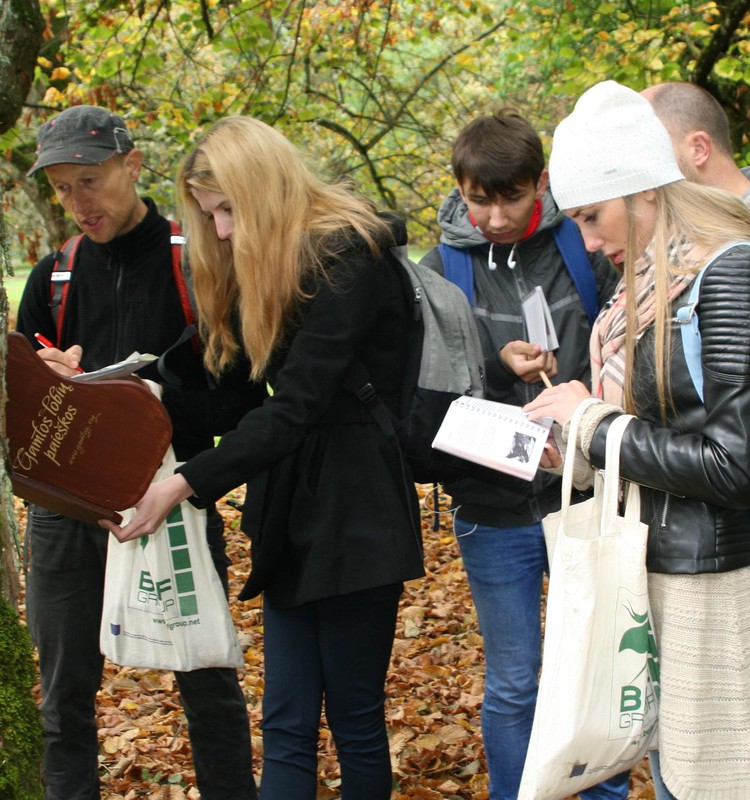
column 635, row 685
column 641, row 640
column 172, row 596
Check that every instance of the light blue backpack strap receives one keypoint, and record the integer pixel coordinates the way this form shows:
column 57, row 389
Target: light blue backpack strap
column 691, row 335
column 687, row 317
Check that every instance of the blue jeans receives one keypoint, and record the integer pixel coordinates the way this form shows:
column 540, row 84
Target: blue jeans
column 505, row 568
column 660, row 789
column 64, row 595
column 338, row 648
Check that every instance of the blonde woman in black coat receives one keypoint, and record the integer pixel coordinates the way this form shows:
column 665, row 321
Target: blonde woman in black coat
column 294, row 275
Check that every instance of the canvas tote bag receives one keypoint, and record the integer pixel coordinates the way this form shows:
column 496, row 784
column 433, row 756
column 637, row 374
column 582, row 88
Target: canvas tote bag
column 164, row 605
column 596, row 710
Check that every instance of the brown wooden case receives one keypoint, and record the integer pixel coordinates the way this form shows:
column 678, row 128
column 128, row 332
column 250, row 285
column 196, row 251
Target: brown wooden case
column 83, row 449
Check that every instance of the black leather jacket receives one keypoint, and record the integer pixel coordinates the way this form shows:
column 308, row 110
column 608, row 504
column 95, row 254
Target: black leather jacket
column 696, row 470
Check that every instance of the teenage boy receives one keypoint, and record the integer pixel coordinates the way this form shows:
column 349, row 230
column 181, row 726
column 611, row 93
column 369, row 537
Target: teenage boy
column 122, row 297
column 503, row 217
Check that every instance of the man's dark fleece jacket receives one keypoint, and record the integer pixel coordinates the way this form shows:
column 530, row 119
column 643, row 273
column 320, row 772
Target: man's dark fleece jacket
column 123, row 298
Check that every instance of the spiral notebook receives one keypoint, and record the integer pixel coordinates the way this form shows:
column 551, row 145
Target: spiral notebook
column 495, row 435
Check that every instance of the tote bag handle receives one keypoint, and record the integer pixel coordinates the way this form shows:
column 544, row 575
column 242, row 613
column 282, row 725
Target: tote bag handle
column 570, row 454
column 611, row 482
column 611, row 490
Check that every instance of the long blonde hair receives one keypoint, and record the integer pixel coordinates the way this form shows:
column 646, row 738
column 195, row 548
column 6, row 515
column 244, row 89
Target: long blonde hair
column 286, row 224
column 686, row 212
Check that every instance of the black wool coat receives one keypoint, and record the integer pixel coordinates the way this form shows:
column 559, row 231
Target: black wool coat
column 327, row 508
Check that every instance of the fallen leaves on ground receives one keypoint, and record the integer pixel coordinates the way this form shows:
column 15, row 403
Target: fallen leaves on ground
column 434, row 694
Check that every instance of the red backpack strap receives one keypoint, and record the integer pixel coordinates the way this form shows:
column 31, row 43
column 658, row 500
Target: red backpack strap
column 63, row 267
column 60, row 281
column 183, row 290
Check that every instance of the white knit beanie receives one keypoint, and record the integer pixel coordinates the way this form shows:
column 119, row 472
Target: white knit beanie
column 612, row 145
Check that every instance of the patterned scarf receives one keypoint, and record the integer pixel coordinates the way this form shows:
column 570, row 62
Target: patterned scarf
column 607, row 344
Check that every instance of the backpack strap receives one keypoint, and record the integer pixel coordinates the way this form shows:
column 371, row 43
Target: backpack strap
column 687, row 317
column 576, row 259
column 691, row 335
column 177, row 240
column 357, row 382
column 458, row 269
column 63, row 267
column 184, row 289
column 60, row 281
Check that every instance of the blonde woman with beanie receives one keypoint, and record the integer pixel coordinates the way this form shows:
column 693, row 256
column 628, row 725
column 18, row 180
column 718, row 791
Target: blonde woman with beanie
column 613, row 171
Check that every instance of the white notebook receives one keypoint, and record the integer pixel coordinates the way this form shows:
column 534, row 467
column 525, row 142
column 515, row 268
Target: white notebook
column 496, row 435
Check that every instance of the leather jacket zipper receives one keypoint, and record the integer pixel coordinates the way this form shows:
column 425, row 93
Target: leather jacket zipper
column 664, row 511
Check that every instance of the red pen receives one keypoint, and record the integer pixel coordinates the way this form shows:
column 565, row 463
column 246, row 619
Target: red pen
column 45, row 342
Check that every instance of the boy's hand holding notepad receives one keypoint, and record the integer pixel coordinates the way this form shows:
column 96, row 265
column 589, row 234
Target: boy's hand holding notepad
column 495, row 435
column 539, row 325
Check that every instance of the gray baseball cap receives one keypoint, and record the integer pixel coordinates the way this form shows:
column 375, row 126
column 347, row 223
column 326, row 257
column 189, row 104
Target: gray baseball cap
column 81, row 135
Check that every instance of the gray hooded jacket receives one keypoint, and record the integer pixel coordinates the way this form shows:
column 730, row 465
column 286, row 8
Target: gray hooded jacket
column 504, row 501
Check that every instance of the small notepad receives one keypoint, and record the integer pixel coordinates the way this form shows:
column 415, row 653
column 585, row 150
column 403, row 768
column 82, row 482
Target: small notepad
column 539, row 325
column 122, row 369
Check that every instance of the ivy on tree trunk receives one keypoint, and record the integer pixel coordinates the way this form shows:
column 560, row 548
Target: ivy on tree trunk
column 20, row 724
column 21, row 27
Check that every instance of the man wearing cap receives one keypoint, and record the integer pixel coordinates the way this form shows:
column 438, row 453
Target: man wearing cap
column 122, row 297
column 698, row 127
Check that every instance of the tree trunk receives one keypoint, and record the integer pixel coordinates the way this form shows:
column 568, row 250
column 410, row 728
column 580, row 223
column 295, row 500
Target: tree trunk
column 21, row 27
column 20, row 725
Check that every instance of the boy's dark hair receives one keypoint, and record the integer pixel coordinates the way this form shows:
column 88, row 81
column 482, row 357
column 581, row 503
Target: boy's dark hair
column 497, row 153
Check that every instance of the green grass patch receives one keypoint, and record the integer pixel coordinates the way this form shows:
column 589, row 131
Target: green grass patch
column 14, row 288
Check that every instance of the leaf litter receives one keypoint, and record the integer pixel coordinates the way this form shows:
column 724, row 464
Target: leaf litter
column 434, row 691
